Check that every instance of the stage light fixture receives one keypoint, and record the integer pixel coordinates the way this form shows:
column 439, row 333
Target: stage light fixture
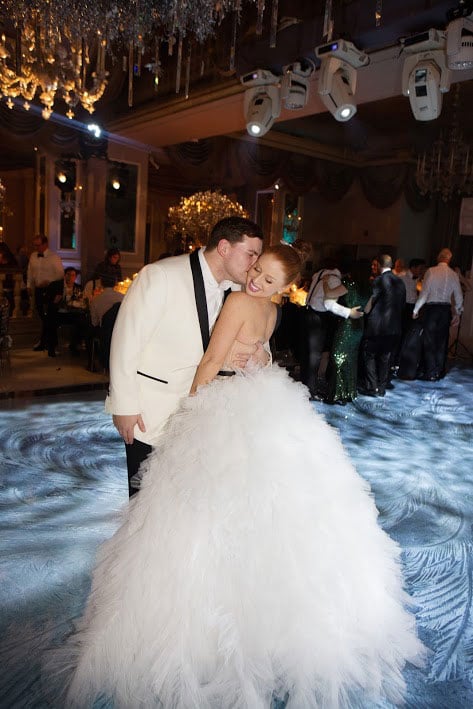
column 425, row 75
column 338, row 75
column 94, row 129
column 344, row 50
column 295, row 84
column 460, row 43
column 262, row 101
column 337, row 85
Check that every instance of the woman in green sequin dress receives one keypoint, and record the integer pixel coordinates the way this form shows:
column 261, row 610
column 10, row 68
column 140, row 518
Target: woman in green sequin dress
column 342, row 371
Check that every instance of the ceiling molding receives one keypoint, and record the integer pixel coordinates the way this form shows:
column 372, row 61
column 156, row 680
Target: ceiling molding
column 314, row 149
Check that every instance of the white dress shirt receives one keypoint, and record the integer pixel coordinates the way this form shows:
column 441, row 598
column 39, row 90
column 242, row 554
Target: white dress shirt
column 341, row 310
column 410, row 281
column 316, row 298
column 214, row 292
column 44, row 269
column 102, row 303
column 439, row 285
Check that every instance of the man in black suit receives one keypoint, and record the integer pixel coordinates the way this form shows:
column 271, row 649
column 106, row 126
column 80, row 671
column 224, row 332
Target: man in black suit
column 66, row 307
column 383, row 327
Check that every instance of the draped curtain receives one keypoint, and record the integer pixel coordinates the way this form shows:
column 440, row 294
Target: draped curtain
column 230, row 164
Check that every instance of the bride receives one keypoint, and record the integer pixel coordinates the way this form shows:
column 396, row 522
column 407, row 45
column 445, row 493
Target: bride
column 250, row 566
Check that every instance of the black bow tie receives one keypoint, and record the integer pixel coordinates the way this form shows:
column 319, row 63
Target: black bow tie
column 40, row 255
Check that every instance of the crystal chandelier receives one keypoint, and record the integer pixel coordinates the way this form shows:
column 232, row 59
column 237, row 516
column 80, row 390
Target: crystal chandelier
column 56, row 49
column 45, row 59
column 447, row 169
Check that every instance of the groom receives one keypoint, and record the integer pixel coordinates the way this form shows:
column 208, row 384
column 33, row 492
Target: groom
column 163, row 328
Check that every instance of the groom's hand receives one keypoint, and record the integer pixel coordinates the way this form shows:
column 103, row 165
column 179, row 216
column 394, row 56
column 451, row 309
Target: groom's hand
column 125, row 426
column 260, row 356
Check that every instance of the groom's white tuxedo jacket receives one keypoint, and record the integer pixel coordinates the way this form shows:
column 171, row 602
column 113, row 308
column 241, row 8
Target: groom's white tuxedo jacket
column 156, row 345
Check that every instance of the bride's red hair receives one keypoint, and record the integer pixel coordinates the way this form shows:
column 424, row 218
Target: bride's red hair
column 288, row 258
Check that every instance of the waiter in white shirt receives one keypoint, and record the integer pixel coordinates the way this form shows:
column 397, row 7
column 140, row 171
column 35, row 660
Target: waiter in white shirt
column 440, row 290
column 44, row 267
column 318, row 325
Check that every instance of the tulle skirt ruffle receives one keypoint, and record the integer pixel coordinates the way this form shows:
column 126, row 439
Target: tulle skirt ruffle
column 249, row 566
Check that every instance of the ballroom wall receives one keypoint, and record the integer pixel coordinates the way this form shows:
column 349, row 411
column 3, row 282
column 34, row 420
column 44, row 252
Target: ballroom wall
column 351, row 226
column 19, row 207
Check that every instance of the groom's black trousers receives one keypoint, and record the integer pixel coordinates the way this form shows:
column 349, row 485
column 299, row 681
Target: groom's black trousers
column 136, row 453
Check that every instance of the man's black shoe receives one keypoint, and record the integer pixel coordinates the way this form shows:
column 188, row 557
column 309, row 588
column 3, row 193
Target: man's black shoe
column 39, row 348
column 390, row 386
column 367, row 392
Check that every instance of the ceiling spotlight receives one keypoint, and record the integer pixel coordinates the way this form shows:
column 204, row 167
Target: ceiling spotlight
column 94, row 129
column 295, row 84
column 116, row 183
column 337, row 77
column 344, row 50
column 62, row 178
column 262, row 101
column 460, row 43
column 337, row 84
column 425, row 76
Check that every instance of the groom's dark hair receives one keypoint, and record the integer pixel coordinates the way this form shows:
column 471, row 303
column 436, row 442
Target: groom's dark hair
column 233, row 229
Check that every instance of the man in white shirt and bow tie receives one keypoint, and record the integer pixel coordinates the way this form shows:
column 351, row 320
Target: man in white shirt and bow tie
column 163, row 327
column 44, row 267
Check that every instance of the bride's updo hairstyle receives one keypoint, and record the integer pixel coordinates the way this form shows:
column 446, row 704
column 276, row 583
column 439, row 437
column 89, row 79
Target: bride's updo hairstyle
column 289, row 260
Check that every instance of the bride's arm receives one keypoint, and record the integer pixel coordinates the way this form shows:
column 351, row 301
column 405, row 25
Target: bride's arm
column 224, row 335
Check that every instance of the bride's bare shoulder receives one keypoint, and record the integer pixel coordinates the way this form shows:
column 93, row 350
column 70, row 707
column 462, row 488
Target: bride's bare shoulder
column 239, row 299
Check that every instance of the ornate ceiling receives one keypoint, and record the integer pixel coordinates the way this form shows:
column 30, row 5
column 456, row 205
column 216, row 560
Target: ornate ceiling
column 210, row 103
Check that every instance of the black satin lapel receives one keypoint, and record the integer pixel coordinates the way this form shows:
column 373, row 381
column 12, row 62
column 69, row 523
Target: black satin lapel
column 200, row 299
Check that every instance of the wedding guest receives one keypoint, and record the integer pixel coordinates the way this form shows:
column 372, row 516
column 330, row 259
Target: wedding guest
column 66, row 307
column 411, row 345
column 374, row 270
column 104, row 301
column 110, row 266
column 399, row 267
column 318, row 325
column 465, row 282
column 342, row 370
column 44, row 267
column 7, row 264
column 441, row 286
column 382, row 331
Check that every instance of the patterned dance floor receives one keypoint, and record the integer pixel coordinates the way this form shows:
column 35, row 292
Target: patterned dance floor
column 63, row 482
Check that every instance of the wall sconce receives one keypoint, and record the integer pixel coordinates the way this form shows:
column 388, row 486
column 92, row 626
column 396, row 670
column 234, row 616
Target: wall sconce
column 65, row 175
